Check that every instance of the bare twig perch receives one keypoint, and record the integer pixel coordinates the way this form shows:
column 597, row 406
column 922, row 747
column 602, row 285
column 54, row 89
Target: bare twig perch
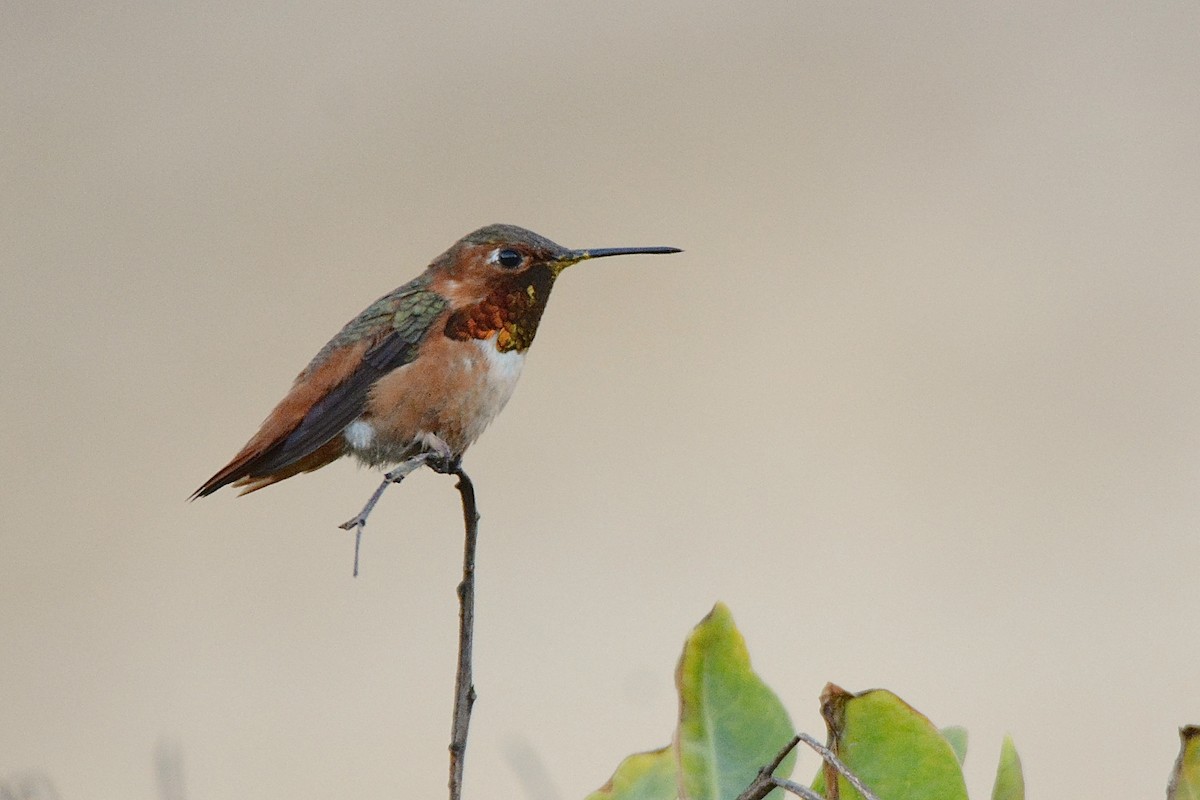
column 464, row 689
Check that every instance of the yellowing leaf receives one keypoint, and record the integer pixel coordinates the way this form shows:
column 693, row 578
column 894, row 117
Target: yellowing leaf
column 1185, row 778
column 642, row 776
column 730, row 723
column 895, row 750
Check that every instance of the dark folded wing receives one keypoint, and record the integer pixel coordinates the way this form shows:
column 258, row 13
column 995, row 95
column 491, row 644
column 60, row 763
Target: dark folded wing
column 332, row 413
column 332, row 391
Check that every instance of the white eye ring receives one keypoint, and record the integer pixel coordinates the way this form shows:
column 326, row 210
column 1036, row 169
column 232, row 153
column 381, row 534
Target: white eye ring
column 506, row 257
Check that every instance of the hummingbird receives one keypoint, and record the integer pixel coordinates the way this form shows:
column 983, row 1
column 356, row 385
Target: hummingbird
column 416, row 377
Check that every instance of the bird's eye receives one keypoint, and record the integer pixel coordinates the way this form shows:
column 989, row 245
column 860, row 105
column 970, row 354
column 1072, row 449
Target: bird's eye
column 509, row 259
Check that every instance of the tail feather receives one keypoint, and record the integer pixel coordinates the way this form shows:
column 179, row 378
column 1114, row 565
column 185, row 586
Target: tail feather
column 241, row 471
column 303, row 432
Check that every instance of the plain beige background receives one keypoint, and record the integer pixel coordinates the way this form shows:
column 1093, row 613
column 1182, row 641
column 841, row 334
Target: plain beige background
column 920, row 401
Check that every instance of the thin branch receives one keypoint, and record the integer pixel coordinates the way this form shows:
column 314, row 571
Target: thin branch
column 796, row 789
column 464, row 689
column 765, row 781
column 359, row 520
column 441, row 460
column 835, row 762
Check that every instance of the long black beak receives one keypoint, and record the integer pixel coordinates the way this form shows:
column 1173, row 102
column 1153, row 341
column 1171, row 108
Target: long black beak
column 603, row 252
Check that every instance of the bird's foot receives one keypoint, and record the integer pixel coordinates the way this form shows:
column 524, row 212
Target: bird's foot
column 445, row 465
column 439, row 457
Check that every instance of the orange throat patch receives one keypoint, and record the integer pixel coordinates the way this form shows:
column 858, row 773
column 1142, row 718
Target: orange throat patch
column 511, row 312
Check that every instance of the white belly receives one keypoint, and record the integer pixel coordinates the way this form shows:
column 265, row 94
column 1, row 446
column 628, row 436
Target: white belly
column 503, row 370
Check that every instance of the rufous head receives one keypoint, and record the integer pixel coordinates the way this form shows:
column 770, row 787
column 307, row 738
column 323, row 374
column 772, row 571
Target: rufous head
column 499, row 253
column 499, row 278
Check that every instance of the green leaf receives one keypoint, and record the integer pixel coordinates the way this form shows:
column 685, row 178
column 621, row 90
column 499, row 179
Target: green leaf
column 642, row 776
column 730, row 723
column 892, row 748
column 1010, row 781
column 1185, row 778
column 956, row 735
